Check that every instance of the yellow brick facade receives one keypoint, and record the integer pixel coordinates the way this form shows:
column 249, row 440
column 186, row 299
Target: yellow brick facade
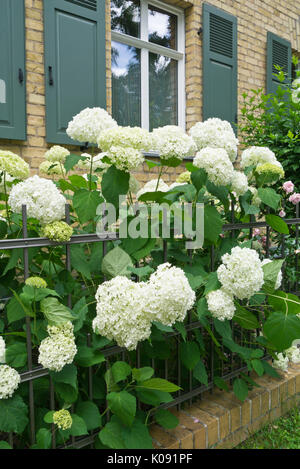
column 255, row 18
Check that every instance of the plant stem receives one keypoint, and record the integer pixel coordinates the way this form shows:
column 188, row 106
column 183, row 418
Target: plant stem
column 91, row 170
column 159, row 176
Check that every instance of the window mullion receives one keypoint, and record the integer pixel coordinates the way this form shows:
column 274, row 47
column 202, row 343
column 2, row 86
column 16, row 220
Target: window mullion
column 144, row 67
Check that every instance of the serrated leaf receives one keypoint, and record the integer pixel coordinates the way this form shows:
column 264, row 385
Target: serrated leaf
column 89, row 412
column 13, row 415
column 278, row 224
column 85, row 203
column 245, row 318
column 55, row 312
column 122, row 404
column 200, row 373
column 120, row 371
column 142, row 374
column 114, row 183
column 258, row 367
column 189, row 354
column 159, row 384
column 282, row 329
column 137, row 436
column 240, row 389
column 269, row 197
column 116, row 262
column 166, row 419
column 111, row 435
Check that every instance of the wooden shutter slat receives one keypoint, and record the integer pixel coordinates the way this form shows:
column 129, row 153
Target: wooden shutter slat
column 279, row 52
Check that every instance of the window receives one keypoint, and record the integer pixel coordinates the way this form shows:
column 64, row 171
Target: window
column 148, row 80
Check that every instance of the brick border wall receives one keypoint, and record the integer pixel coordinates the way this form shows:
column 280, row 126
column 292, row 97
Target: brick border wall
column 221, row 421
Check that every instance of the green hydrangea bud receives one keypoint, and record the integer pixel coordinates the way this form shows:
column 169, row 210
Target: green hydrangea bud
column 268, row 173
column 36, row 282
column 62, row 418
column 184, row 177
column 58, row 231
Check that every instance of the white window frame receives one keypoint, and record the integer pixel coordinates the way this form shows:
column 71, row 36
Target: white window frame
column 145, row 46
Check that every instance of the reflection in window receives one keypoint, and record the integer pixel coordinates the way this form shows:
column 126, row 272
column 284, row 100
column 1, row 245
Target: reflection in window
column 126, row 84
column 126, row 17
column 163, row 86
column 162, row 27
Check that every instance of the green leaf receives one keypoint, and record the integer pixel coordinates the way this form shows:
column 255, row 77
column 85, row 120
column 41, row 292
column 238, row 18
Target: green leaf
column 43, row 438
column 114, row 183
column 13, row 415
column 159, row 384
column 282, row 329
column 220, row 192
column 258, row 367
column 142, row 374
column 152, row 397
column 66, row 392
column 189, row 354
column 48, row 418
column 271, row 271
column 137, row 436
column 245, row 318
column 284, row 302
column 85, row 204
column 162, row 327
column 78, row 426
column 3, row 229
column 200, row 373
column 120, row 371
column 270, row 370
column 89, row 412
column 179, row 326
column 72, row 160
column 223, row 328
column 16, row 355
column 278, row 224
column 111, row 435
column 166, row 419
column 199, row 178
column 86, row 356
column 116, row 262
column 123, row 405
column 240, row 389
column 4, row 445
column 80, row 311
column 55, row 312
column 79, row 260
column 213, row 224
column 220, row 383
column 145, row 250
column 14, row 310
column 269, row 197
column 68, row 375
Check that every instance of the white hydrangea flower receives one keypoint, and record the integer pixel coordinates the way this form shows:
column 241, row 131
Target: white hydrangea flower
column 122, row 312
column 2, row 350
column 125, row 158
column 217, row 164
column 42, row 198
column 133, row 137
column 59, row 349
column 9, row 381
column 281, row 362
column 239, row 183
column 221, row 305
column 46, row 167
column 171, row 142
column 172, row 296
column 255, row 156
column 97, row 162
column 14, row 165
column 241, row 273
column 150, row 186
column 296, row 96
column 88, row 125
column 215, row 133
column 279, row 277
column 293, row 354
column 57, row 154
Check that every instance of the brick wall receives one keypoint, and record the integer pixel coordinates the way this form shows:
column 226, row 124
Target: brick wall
column 255, row 18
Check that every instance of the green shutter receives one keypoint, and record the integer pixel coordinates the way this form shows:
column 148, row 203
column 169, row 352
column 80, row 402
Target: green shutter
column 12, row 70
column 74, row 62
column 279, row 52
column 219, row 64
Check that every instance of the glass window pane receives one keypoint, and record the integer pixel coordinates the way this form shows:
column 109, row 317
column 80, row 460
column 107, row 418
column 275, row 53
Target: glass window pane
column 162, row 27
column 126, row 17
column 163, row 91
column 126, row 84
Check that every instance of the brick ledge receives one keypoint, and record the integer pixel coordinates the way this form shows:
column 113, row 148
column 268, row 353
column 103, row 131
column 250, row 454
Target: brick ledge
column 221, row 421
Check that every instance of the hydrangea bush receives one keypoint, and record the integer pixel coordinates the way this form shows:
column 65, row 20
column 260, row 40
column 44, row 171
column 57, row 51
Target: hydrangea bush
column 135, row 294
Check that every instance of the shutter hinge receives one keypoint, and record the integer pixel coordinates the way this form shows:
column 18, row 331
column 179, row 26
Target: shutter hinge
column 51, row 81
column 21, row 75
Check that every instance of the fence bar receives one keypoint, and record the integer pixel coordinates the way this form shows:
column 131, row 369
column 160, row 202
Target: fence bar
column 28, row 330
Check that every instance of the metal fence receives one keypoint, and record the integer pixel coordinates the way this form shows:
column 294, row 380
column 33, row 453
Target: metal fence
column 168, row 369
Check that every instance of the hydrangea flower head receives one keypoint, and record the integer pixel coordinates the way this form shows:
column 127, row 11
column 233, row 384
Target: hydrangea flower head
column 2, row 350
column 221, row 305
column 59, row 349
column 57, row 154
column 88, row 125
column 49, row 168
column 63, row 419
column 132, row 137
column 239, row 183
column 125, row 158
column 58, row 231
column 41, row 197
column 9, row 381
column 13, row 165
column 172, row 142
column 36, row 282
column 216, row 163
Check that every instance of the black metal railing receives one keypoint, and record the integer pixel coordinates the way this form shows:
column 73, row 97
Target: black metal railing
column 171, row 369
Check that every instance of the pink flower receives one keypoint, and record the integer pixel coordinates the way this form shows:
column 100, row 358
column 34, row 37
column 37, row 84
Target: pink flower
column 222, row 235
column 295, row 199
column 263, row 240
column 282, row 213
column 288, row 187
column 256, row 232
